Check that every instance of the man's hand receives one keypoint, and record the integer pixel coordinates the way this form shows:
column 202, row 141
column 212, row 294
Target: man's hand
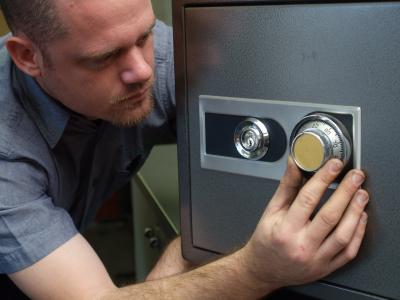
column 290, row 248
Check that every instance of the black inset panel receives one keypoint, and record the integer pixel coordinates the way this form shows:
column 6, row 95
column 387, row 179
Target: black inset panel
column 220, row 131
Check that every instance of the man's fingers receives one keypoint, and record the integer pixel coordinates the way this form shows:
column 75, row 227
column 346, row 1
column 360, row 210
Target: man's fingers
column 332, row 211
column 287, row 189
column 311, row 193
column 343, row 234
column 350, row 252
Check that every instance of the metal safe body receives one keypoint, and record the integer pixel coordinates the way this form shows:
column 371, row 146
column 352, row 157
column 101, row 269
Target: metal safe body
column 244, row 59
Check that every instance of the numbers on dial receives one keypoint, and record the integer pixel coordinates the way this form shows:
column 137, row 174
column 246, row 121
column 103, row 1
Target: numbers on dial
column 334, row 138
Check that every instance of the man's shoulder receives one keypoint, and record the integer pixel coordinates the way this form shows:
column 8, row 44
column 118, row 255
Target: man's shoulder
column 163, row 115
column 5, row 62
column 17, row 131
column 9, row 112
column 162, row 41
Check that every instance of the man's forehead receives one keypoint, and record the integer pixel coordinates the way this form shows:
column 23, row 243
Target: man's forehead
column 100, row 26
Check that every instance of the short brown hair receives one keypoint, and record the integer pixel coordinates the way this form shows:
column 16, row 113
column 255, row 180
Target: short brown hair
column 37, row 19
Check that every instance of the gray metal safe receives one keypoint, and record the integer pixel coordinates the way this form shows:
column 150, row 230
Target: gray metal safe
column 278, row 62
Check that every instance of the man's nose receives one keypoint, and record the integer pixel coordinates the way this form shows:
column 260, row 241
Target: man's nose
column 135, row 67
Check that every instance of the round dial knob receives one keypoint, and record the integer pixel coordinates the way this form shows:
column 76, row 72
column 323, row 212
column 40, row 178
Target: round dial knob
column 251, row 139
column 317, row 138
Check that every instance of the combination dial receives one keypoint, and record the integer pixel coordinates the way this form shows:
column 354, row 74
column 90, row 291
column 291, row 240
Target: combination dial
column 316, row 139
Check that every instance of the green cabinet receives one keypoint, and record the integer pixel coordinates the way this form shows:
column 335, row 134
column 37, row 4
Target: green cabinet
column 155, row 207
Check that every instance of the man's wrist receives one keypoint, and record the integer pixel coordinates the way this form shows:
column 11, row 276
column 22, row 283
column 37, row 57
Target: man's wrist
column 250, row 274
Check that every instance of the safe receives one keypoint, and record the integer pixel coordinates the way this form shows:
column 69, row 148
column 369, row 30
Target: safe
column 257, row 81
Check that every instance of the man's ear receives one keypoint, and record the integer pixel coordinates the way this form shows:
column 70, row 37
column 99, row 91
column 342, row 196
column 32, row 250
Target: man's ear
column 24, row 54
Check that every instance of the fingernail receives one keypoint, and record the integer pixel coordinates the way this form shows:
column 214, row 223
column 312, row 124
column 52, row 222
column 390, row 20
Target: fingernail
column 357, row 178
column 336, row 166
column 364, row 218
column 362, row 198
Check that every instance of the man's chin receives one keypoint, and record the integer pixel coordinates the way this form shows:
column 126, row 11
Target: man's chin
column 130, row 115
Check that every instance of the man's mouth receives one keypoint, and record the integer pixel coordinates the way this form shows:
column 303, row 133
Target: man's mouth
column 135, row 97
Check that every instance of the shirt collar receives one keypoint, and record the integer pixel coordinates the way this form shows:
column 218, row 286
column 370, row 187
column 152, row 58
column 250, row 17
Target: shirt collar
column 50, row 116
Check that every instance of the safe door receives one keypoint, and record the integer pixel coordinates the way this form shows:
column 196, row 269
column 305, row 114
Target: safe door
column 258, row 81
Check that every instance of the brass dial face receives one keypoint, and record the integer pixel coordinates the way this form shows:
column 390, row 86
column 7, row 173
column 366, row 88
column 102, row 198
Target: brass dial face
column 309, row 151
column 318, row 138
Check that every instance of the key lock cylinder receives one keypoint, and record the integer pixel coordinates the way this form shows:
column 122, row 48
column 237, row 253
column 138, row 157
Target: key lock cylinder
column 317, row 138
column 251, row 139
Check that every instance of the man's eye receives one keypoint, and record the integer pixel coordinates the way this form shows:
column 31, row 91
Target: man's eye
column 104, row 59
column 100, row 62
column 143, row 39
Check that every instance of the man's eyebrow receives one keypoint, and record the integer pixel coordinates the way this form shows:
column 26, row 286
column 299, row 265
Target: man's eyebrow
column 97, row 55
column 150, row 28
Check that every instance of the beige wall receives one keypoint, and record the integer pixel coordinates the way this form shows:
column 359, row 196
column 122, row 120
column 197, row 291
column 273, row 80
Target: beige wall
column 3, row 26
column 163, row 10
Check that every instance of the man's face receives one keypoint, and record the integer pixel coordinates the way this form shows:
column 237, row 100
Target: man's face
column 103, row 68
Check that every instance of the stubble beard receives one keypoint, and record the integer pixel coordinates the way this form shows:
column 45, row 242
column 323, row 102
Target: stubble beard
column 127, row 114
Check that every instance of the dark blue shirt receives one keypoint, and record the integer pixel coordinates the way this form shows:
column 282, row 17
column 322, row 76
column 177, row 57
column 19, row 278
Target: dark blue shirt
column 56, row 167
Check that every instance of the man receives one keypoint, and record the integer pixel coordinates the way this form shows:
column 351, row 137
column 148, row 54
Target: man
column 84, row 97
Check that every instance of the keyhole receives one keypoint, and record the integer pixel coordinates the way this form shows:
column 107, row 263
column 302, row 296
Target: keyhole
column 249, row 140
column 250, row 143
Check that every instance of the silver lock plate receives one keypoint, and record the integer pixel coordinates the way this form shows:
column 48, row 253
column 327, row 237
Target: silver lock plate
column 287, row 113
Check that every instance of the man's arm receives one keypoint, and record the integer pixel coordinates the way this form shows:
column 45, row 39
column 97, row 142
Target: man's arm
column 171, row 262
column 287, row 248
column 74, row 271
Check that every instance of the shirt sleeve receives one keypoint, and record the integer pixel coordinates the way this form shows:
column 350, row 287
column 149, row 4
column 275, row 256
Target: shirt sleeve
column 160, row 126
column 165, row 73
column 31, row 226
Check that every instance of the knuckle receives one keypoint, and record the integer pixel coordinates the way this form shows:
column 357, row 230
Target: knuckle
column 347, row 192
column 278, row 238
column 330, row 219
column 325, row 179
column 342, row 240
column 300, row 256
column 271, row 208
column 287, row 184
column 308, row 199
